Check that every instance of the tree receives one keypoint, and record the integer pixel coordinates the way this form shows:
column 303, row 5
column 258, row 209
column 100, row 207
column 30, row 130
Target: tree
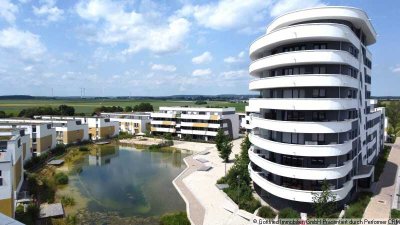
column 3, row 114
column 225, row 151
column 66, row 110
column 393, row 113
column 128, row 109
column 324, row 202
column 220, row 139
column 143, row 107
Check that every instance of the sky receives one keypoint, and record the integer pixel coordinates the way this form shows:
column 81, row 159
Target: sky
column 158, row 47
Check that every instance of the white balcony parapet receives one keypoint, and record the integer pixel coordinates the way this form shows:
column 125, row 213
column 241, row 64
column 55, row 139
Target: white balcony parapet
column 301, row 172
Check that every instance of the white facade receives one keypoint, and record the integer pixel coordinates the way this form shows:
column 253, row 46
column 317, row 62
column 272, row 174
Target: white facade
column 42, row 135
column 96, row 125
column 11, row 168
column 73, row 130
column 314, row 119
column 132, row 123
column 196, row 123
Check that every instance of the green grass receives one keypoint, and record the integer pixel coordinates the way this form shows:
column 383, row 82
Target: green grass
column 179, row 218
column 356, row 208
column 88, row 105
column 395, row 214
column 266, row 212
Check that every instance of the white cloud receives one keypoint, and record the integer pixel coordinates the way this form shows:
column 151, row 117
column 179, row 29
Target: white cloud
column 243, row 15
column 117, row 25
column 163, row 67
column 8, row 11
column 227, row 14
column 201, row 72
column 235, row 74
column 25, row 42
column 235, row 59
column 28, row 68
column 396, row 69
column 284, row 6
column 206, row 57
column 49, row 10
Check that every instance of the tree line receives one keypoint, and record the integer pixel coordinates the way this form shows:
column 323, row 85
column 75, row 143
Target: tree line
column 142, row 107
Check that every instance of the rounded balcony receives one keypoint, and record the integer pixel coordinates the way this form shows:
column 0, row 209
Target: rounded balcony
column 301, row 150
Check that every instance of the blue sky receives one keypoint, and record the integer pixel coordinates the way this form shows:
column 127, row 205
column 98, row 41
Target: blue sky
column 157, row 47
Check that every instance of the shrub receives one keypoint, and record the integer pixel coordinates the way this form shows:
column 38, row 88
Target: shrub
column 380, row 163
column 179, row 218
column 67, row 201
column 124, row 135
column 83, row 149
column 59, row 149
column 356, row 208
column 61, row 178
column 395, row 214
column 266, row 212
column 288, row 213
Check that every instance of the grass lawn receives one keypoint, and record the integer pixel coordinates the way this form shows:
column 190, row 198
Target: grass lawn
column 88, row 105
column 357, row 207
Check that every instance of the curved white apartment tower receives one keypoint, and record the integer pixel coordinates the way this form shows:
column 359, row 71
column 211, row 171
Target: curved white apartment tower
column 314, row 119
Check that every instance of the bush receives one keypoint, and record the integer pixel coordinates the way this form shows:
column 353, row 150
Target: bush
column 288, row 213
column 179, row 218
column 395, row 214
column 356, row 208
column 59, row 149
column 266, row 212
column 83, row 149
column 124, row 135
column 380, row 163
column 67, row 201
column 61, row 178
column 29, row 217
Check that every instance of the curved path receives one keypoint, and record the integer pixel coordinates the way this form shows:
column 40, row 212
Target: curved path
column 194, row 208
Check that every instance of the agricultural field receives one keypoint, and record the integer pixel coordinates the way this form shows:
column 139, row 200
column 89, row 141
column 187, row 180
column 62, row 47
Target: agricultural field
column 87, row 106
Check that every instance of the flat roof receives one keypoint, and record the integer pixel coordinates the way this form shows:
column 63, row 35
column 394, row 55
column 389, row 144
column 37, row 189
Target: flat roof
column 9, row 221
column 197, row 109
column 51, row 210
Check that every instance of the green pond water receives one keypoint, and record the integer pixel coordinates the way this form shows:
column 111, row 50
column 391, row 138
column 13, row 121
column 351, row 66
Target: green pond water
column 127, row 181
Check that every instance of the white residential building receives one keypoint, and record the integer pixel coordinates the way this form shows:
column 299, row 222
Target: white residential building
column 99, row 127
column 42, row 136
column 196, row 123
column 132, row 123
column 314, row 119
column 67, row 131
column 13, row 144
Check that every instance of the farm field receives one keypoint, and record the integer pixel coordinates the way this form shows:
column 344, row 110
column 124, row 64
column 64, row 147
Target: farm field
column 87, row 106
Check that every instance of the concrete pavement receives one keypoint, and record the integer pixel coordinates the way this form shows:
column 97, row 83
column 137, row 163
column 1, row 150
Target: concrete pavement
column 381, row 203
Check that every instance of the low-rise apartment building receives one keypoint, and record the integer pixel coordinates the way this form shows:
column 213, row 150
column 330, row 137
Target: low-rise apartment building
column 196, row 123
column 67, row 131
column 99, row 127
column 42, row 135
column 132, row 123
column 12, row 153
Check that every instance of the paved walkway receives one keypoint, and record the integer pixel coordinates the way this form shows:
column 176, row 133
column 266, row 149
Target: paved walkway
column 206, row 204
column 194, row 208
column 381, row 203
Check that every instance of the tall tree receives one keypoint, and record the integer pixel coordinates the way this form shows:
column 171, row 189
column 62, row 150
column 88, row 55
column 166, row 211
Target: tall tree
column 324, row 201
column 226, row 150
column 220, row 139
column 393, row 113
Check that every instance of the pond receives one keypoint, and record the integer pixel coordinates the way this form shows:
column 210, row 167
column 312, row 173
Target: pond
column 125, row 181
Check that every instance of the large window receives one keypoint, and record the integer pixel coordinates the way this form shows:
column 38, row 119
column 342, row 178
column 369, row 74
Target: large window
column 319, row 93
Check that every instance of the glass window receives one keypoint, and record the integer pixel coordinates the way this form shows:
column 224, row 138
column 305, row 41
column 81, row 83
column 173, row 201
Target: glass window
column 302, row 70
column 315, row 93
column 322, row 92
column 322, row 70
